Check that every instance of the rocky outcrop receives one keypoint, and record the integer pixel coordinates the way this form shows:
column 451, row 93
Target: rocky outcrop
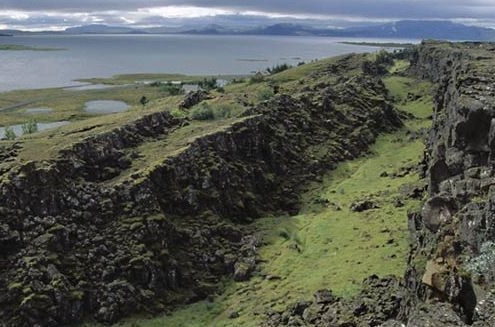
column 446, row 260
column 193, row 98
column 377, row 303
column 80, row 238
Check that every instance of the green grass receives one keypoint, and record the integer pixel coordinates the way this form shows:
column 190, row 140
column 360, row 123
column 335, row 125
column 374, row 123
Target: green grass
column 46, row 145
column 303, row 71
column 154, row 152
column 403, row 88
column 68, row 104
column 323, row 247
column 399, row 66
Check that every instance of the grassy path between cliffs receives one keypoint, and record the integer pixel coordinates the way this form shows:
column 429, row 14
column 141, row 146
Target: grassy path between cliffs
column 328, row 245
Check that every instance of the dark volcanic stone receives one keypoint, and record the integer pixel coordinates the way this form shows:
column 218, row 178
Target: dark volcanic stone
column 193, row 98
column 360, row 206
column 324, row 297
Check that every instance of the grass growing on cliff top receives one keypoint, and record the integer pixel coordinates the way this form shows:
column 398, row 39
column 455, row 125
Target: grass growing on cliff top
column 154, row 152
column 324, row 247
column 67, row 104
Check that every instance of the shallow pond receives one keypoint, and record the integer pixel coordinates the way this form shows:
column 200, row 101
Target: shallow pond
column 41, row 127
column 103, row 107
column 38, row 110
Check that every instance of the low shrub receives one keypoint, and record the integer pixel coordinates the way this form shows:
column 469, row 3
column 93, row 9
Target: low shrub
column 257, row 78
column 178, row 113
column 278, row 68
column 206, row 111
column 208, row 84
column 30, row 127
column 9, row 133
column 202, row 111
column 173, row 89
column 265, row 94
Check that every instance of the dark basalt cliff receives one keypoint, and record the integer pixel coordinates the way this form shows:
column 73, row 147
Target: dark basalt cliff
column 451, row 258
column 81, row 239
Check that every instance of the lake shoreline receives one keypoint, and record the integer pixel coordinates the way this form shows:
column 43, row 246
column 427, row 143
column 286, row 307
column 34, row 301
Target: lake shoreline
column 103, row 56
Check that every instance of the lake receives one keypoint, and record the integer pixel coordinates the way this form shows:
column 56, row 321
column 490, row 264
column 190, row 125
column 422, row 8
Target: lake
column 102, row 107
column 89, row 56
column 17, row 129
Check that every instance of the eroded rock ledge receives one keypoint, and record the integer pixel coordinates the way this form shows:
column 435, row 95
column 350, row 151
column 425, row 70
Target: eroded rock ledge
column 457, row 221
column 81, row 239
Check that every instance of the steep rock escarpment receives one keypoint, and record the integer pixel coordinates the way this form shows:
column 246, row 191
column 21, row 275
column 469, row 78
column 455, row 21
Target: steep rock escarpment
column 450, row 277
column 81, row 239
column 451, row 266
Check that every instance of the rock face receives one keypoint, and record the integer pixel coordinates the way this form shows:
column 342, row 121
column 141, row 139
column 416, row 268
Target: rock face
column 378, row 301
column 82, row 237
column 458, row 219
column 193, row 98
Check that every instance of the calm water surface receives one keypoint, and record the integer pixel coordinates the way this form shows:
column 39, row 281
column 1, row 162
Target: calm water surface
column 17, row 129
column 89, row 56
column 103, row 107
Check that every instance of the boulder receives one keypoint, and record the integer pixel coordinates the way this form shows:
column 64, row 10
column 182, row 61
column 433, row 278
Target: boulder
column 438, row 210
column 193, row 98
column 363, row 205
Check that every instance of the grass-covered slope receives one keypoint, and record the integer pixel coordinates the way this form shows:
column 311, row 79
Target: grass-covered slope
column 327, row 244
column 145, row 210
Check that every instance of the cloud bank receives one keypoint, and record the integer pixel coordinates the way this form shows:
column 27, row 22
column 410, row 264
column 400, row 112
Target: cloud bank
column 58, row 14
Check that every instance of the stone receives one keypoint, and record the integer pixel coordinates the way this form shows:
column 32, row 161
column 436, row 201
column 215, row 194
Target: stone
column 299, row 307
column 363, row 205
column 438, row 315
column 233, row 315
column 242, row 271
column 324, row 296
column 438, row 210
column 193, row 98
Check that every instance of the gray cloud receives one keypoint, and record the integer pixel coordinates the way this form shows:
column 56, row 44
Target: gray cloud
column 475, row 11
column 366, row 8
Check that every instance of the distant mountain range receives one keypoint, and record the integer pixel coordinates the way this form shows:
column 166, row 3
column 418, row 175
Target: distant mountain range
column 102, row 29
column 407, row 29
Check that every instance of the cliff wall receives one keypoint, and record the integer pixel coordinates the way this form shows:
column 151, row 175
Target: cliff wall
column 451, row 259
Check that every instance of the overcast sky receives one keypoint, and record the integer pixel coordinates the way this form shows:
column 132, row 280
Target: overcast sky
column 59, row 14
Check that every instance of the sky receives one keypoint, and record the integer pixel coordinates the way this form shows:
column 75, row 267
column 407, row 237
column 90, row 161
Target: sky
column 60, row 14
